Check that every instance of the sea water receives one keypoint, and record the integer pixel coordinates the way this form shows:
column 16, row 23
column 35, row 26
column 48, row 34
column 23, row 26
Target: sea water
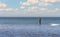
column 18, row 20
column 28, row 26
column 50, row 20
column 19, row 27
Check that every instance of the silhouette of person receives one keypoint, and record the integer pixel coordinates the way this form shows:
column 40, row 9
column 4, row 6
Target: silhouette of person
column 40, row 21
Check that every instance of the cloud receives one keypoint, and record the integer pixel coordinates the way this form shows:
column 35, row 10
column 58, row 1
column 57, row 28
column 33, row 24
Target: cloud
column 22, row 7
column 8, row 9
column 52, row 1
column 3, row 5
column 24, row 3
column 33, row 12
column 44, row 4
column 32, row 9
column 29, row 2
column 36, row 10
column 43, row 12
column 54, row 10
column 37, row 7
column 33, row 1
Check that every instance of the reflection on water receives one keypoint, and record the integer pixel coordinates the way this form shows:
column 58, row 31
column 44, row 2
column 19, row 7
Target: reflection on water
column 54, row 24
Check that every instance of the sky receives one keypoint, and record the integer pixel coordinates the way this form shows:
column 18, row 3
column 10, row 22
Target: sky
column 29, row 8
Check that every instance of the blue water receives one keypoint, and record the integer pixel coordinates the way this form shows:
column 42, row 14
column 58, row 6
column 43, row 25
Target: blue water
column 29, row 27
column 29, row 20
column 50, row 20
column 18, row 20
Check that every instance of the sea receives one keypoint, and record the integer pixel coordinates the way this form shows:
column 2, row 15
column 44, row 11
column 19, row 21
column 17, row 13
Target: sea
column 29, row 27
column 19, row 20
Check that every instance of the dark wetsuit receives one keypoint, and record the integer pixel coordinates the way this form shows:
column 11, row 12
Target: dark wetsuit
column 40, row 21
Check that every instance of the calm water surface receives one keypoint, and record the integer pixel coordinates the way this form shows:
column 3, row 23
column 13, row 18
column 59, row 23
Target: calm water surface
column 28, row 27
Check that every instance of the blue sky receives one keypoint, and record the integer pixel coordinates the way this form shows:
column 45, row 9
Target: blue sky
column 29, row 8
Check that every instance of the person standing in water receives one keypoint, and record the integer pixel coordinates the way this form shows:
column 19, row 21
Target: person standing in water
column 40, row 21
